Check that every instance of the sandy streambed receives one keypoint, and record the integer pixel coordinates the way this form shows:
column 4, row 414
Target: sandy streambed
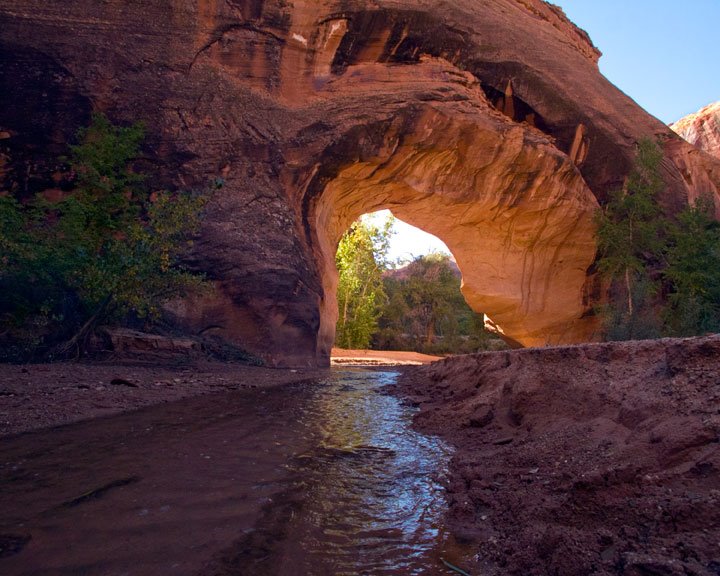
column 43, row 395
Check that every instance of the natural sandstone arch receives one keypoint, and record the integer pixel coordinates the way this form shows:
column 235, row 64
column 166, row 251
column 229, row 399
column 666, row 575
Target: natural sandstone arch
column 516, row 214
column 485, row 122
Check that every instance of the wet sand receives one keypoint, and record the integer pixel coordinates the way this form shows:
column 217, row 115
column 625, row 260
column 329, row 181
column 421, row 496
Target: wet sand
column 39, row 396
column 87, row 448
column 156, row 491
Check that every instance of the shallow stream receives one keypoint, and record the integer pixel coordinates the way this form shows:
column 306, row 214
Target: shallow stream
column 371, row 500
column 317, row 478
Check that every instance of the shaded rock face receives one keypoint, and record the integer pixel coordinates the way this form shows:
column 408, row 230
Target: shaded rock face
column 702, row 129
column 483, row 122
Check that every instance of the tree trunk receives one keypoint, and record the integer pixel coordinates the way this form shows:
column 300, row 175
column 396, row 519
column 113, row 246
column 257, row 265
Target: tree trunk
column 430, row 333
column 628, row 287
column 79, row 340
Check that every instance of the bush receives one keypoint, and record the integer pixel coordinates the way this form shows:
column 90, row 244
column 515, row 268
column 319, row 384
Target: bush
column 105, row 251
column 693, row 272
column 664, row 274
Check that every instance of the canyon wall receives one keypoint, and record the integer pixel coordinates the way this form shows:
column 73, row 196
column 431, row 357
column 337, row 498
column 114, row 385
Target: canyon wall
column 702, row 129
column 484, row 122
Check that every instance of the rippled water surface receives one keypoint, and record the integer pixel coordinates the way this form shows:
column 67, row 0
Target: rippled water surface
column 372, row 500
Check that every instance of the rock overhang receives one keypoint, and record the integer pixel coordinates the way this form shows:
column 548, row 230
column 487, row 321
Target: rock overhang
column 308, row 110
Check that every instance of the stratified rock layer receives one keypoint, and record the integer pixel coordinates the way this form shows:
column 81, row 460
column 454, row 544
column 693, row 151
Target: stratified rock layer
column 702, row 129
column 485, row 122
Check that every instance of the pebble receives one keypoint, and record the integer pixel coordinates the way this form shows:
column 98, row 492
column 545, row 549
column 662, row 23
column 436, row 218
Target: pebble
column 503, row 441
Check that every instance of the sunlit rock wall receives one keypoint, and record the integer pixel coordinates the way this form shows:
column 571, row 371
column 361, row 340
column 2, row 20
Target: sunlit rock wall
column 702, row 129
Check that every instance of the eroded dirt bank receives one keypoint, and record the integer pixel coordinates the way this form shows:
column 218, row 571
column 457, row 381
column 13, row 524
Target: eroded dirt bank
column 594, row 459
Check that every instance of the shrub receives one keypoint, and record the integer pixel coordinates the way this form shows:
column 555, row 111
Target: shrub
column 107, row 250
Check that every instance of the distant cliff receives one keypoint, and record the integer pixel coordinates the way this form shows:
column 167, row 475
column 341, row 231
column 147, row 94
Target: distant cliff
column 702, row 129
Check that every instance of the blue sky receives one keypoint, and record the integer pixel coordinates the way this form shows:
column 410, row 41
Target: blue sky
column 664, row 54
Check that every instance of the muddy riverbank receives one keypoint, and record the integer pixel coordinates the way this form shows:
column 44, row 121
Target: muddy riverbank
column 585, row 460
column 37, row 396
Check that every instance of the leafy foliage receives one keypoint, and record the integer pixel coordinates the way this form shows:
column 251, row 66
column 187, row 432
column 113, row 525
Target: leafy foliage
column 105, row 251
column 361, row 259
column 630, row 241
column 426, row 311
column 693, row 270
column 646, row 256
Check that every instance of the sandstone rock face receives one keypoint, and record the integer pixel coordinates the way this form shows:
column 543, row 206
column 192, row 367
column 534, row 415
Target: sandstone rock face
column 702, row 129
column 484, row 122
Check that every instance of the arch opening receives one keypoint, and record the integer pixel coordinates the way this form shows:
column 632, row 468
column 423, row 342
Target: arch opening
column 399, row 289
column 514, row 211
column 408, row 242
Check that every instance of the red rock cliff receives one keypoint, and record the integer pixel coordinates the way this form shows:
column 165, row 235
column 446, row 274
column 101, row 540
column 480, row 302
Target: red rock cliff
column 702, row 129
column 485, row 122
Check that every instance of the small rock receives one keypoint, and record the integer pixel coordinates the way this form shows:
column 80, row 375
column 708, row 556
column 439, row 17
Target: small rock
column 482, row 417
column 123, row 382
column 608, row 555
column 644, row 564
column 503, row 441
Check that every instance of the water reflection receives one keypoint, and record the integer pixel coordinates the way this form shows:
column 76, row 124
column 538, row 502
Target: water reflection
column 373, row 501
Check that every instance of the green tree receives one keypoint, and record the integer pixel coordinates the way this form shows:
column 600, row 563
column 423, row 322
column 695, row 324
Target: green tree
column 361, row 259
column 432, row 294
column 107, row 250
column 693, row 272
column 427, row 312
column 631, row 231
